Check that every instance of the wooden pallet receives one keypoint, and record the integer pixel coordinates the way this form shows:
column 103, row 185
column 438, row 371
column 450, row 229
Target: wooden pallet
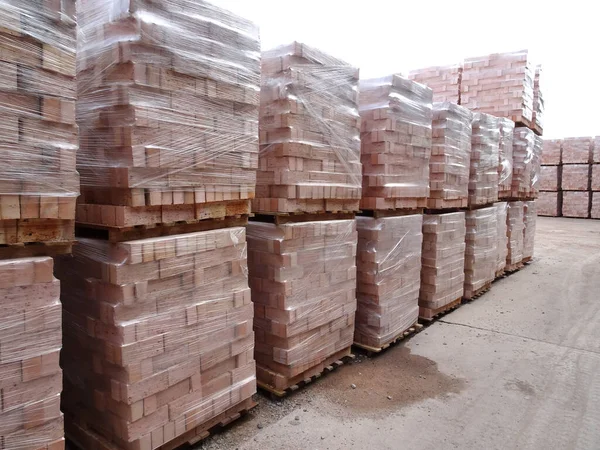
column 304, row 206
column 410, row 331
column 280, row 386
column 499, row 274
column 29, row 231
column 512, row 268
column 382, row 204
column 429, row 315
column 382, row 213
column 527, row 260
column 478, row 293
column 283, row 218
column 34, row 249
column 85, row 439
column 439, row 204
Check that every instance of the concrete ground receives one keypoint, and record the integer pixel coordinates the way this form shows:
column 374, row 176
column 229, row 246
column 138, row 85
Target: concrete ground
column 519, row 368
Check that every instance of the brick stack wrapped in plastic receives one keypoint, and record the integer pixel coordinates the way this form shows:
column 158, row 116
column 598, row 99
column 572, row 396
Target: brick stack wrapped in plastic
column 168, row 112
column 481, row 252
column 158, row 337
column 524, row 172
column 550, row 195
column 505, row 167
column 529, row 223
column 443, row 262
column 485, row 142
column 303, row 280
column 30, row 343
column 38, row 138
column 538, row 100
column 443, row 80
column 450, row 156
column 515, row 226
column 502, row 234
column 396, row 116
column 389, row 278
column 309, row 133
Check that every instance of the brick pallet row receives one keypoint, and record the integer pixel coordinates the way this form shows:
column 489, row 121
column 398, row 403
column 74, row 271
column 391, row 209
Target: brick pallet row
column 485, row 142
column 388, row 280
column 550, row 178
column 481, row 250
column 443, row 80
column 516, row 234
column 549, row 204
column 576, row 204
column 168, row 112
column 502, row 234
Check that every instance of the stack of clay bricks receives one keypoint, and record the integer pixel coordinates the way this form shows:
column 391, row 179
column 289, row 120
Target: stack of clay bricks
column 302, row 267
column 38, row 190
column 309, row 133
column 505, row 166
column 443, row 263
column 485, row 144
column 516, row 234
column 396, row 122
column 443, row 80
column 595, row 183
column 538, row 100
column 576, row 176
column 527, row 149
column 529, row 223
column 388, row 280
column 168, row 112
column 550, row 196
column 502, row 235
column 481, row 252
column 450, row 156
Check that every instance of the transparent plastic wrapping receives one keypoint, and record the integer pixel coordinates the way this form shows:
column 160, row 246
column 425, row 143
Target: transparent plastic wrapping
column 538, row 99
column 576, row 204
column 595, row 203
column 450, row 156
column 551, row 152
column 536, row 167
column 443, row 260
column 38, row 136
column 530, row 219
column 30, row 343
column 485, row 147
column 481, row 251
column 549, row 178
column 396, row 116
column 389, row 277
column 443, row 80
column 157, row 336
column 548, row 204
column 501, row 84
column 502, row 233
column 577, row 150
column 505, row 150
column 515, row 232
column 524, row 163
column 596, row 150
column 309, row 132
column 303, row 280
column 167, row 108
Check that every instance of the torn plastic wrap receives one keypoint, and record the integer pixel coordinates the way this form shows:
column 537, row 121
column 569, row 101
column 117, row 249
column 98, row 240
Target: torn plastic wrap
column 515, row 226
column 502, row 211
column 485, row 144
column 525, row 147
column 539, row 107
column 30, row 343
column 158, row 336
column 303, row 280
column 450, row 156
column 481, row 252
column 396, row 137
column 309, row 132
column 505, row 168
column 168, row 110
column 389, row 270
column 443, row 260
column 443, row 80
column 38, row 137
column 529, row 220
column 552, row 152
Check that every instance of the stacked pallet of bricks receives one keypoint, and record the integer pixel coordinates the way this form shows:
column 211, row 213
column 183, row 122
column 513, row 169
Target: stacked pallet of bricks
column 550, row 197
column 485, row 148
column 443, row 80
column 502, row 236
column 529, row 225
column 302, row 267
column 516, row 235
column 38, row 190
column 443, row 255
column 505, row 153
column 576, row 177
column 527, row 150
column 538, row 100
column 158, row 339
column 595, row 183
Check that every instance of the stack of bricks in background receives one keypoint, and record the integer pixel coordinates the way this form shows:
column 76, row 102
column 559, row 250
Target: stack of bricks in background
column 550, row 196
column 485, row 142
column 303, row 280
column 443, row 80
column 575, row 178
column 481, row 252
column 443, row 263
column 505, row 167
column 450, row 156
column 158, row 338
column 38, row 139
column 30, row 342
column 529, row 222
column 309, row 133
column 396, row 117
column 515, row 232
column 388, row 280
column 502, row 235
column 595, row 209
column 168, row 112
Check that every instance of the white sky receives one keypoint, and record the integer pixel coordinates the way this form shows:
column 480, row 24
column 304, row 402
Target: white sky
column 386, row 36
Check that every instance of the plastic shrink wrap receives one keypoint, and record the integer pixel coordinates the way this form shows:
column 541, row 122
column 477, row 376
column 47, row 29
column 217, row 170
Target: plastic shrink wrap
column 303, row 280
column 38, row 137
column 538, row 99
column 577, row 150
column 536, row 168
column 551, row 152
column 168, row 111
column 450, row 156
column 505, row 148
column 575, row 177
column 485, row 142
column 309, row 132
column 596, row 150
column 30, row 343
column 389, row 277
column 515, row 226
column 396, row 115
column 525, row 164
column 595, row 209
column 576, row 204
column 443, row 80
column 595, row 177
column 481, row 252
column 158, row 337
column 549, row 178
column 443, row 261
column 530, row 219
column 502, row 233
column 548, row 204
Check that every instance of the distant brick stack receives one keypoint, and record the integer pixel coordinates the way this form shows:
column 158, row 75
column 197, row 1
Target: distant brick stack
column 485, row 141
column 577, row 176
column 481, row 250
column 443, row 80
column 576, row 204
column 548, row 204
column 550, row 196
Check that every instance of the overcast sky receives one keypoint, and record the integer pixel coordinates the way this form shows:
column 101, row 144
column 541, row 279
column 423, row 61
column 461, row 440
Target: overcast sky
column 389, row 36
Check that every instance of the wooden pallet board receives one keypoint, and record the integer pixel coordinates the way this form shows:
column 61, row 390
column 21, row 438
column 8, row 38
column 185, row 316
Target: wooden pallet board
column 280, row 386
column 28, row 231
column 283, row 218
column 383, row 204
column 439, row 204
column 411, row 331
column 512, row 268
column 499, row 274
column 429, row 315
column 35, row 249
column 527, row 260
column 383, row 213
column 85, row 439
column 304, row 206
column 478, row 293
